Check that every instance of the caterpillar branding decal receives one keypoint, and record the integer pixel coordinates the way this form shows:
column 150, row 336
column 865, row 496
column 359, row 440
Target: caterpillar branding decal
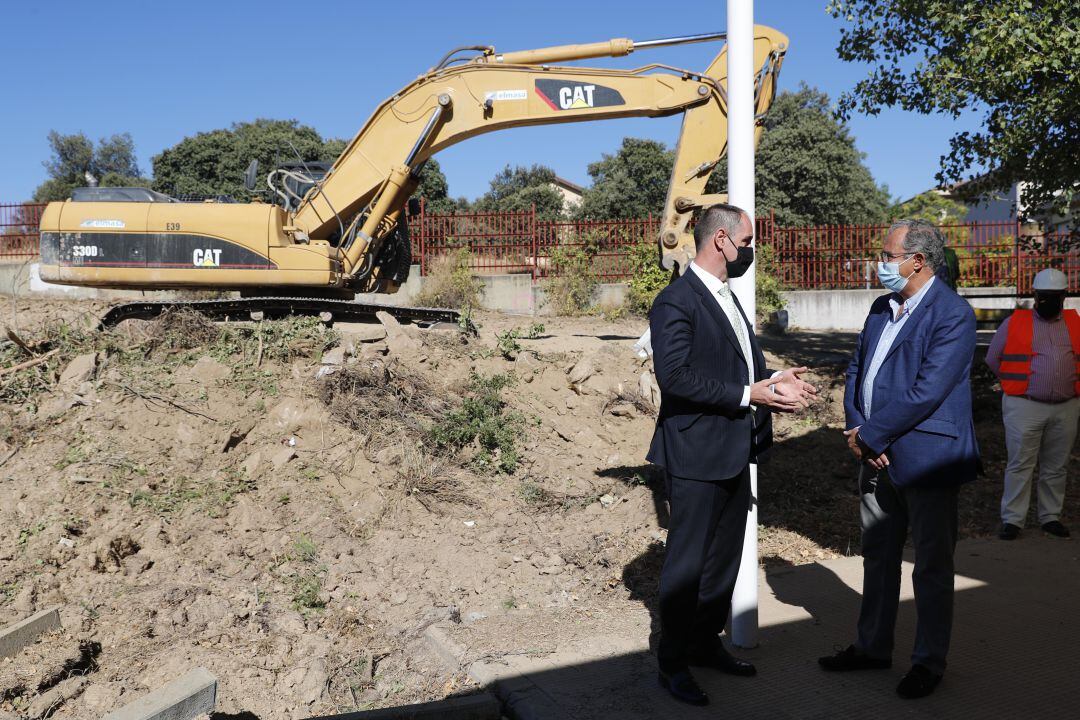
column 150, row 250
column 206, row 257
column 574, row 95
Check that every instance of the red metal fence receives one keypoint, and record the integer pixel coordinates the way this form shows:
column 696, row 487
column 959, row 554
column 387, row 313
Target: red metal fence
column 807, row 258
column 519, row 243
column 19, row 231
column 989, row 255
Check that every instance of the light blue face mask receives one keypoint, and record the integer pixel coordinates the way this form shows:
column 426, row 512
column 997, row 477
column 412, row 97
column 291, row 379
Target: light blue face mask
column 890, row 277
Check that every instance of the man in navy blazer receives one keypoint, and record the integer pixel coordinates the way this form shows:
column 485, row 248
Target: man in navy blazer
column 908, row 416
column 715, row 398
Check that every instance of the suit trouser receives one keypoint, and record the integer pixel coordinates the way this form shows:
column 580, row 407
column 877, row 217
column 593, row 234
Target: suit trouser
column 886, row 513
column 704, row 547
column 1042, row 431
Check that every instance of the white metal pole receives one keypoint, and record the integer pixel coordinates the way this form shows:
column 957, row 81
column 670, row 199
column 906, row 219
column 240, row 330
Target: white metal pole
column 740, row 90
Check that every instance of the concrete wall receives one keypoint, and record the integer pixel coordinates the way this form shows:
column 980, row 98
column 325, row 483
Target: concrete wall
column 846, row 309
column 512, row 293
column 517, row 294
column 23, row 279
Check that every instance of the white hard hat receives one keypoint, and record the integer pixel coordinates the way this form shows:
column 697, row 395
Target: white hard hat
column 1050, row 279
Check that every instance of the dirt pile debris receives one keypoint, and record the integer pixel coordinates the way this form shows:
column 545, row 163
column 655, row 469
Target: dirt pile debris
column 291, row 505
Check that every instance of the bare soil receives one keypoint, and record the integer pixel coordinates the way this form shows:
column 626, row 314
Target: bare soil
column 274, row 506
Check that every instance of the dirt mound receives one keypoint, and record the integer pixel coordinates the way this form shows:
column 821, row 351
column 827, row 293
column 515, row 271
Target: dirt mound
column 292, row 510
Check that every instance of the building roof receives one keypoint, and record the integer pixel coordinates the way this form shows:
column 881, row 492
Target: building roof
column 571, row 186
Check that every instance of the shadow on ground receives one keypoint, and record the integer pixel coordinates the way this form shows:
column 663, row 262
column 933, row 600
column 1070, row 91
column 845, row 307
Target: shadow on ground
column 808, row 610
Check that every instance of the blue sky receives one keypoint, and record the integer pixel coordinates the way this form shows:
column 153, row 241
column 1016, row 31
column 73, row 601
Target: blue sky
column 165, row 70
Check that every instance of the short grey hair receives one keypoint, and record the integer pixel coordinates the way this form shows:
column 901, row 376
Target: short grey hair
column 923, row 237
column 720, row 216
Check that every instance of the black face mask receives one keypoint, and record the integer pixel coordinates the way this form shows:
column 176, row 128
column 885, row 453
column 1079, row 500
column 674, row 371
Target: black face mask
column 1049, row 306
column 744, row 258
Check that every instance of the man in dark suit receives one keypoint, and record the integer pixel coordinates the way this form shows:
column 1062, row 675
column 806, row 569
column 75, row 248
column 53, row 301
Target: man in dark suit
column 909, row 423
column 714, row 418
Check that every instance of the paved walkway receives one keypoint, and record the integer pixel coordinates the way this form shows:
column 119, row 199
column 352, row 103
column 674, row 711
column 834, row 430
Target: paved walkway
column 1015, row 650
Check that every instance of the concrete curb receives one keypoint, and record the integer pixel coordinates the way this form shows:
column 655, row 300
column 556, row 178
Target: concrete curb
column 470, row 707
column 521, row 698
column 15, row 637
column 191, row 694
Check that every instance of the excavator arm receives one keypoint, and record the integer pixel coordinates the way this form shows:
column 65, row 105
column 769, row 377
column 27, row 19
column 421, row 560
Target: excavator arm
column 362, row 197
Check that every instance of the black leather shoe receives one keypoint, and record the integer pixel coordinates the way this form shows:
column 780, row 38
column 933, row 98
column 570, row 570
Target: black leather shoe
column 683, row 687
column 720, row 659
column 1054, row 527
column 1009, row 531
column 919, row 682
column 852, row 659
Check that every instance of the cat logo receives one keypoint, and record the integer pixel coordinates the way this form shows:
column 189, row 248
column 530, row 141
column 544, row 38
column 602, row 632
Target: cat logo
column 573, row 98
column 210, row 257
column 562, row 95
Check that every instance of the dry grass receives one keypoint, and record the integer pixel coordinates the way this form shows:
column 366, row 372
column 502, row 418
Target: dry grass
column 450, row 283
column 640, row 404
column 181, row 329
column 428, row 478
column 375, row 399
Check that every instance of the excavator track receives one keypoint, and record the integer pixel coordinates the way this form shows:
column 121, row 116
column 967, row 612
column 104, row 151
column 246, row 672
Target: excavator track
column 246, row 309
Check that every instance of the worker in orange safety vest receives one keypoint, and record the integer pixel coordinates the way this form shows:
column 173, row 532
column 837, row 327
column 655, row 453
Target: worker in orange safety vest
column 1036, row 356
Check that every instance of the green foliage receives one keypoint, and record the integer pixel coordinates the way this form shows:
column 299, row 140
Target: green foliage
column 931, row 206
column 571, row 286
column 483, row 423
column 213, row 495
column 629, row 184
column 307, row 583
column 450, row 283
column 279, row 340
column 1015, row 60
column 112, row 163
column 435, row 190
column 647, row 277
column 213, row 163
column 507, row 342
column 305, row 549
column 767, row 283
column 518, row 189
column 998, row 261
column 808, row 169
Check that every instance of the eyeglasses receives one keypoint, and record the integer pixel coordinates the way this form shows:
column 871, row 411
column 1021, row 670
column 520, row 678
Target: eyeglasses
column 887, row 256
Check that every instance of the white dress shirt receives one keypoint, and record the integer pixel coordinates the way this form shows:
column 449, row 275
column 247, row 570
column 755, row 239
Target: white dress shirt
column 901, row 311
column 716, row 286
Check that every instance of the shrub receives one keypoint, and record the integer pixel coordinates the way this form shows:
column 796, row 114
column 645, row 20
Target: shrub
column 450, row 283
column 570, row 290
column 647, row 277
column 483, row 421
column 767, row 282
column 507, row 342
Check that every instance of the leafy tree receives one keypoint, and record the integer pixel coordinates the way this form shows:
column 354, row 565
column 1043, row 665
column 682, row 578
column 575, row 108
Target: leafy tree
column 112, row 163
column 629, row 184
column 213, row 163
column 519, row 188
column 932, row 206
column 1014, row 60
column 434, row 189
column 808, row 169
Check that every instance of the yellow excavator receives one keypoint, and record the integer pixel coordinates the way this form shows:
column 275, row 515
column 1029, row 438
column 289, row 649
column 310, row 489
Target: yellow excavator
column 337, row 231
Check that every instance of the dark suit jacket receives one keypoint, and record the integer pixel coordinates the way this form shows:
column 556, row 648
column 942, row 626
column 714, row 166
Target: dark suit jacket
column 921, row 413
column 702, row 433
